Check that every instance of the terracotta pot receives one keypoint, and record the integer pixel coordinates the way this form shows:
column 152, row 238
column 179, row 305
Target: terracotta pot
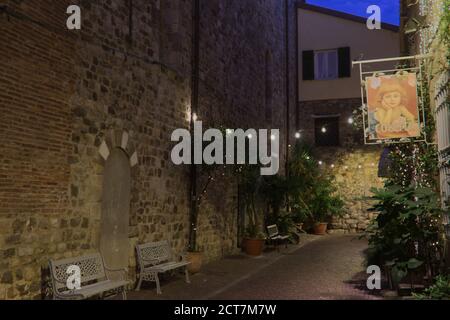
column 253, row 247
column 320, row 229
column 196, row 261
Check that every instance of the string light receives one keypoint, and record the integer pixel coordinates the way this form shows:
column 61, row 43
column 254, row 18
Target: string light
column 272, row 137
column 194, row 117
column 298, row 135
column 324, row 130
column 350, row 120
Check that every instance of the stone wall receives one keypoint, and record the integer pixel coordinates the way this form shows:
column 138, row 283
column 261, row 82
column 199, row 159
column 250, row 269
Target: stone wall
column 354, row 165
column 64, row 93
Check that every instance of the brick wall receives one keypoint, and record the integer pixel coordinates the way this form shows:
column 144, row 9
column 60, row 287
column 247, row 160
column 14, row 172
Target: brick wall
column 65, row 92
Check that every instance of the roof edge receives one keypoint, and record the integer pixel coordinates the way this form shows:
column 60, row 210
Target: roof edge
column 343, row 15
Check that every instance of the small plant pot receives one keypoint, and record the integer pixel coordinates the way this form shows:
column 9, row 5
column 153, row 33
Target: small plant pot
column 320, row 229
column 254, row 247
column 196, row 261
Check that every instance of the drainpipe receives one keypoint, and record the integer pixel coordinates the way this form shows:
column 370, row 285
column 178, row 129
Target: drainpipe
column 194, row 107
column 288, row 82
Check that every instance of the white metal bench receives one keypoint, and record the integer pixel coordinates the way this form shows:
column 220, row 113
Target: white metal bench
column 155, row 258
column 95, row 278
column 275, row 237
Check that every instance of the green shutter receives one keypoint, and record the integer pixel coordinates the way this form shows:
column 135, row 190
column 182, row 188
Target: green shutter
column 308, row 65
column 345, row 64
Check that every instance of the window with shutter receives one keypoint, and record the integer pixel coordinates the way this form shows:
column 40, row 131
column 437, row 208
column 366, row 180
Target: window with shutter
column 325, row 64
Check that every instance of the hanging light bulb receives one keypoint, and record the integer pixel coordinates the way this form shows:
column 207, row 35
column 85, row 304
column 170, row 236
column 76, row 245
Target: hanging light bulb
column 324, row 130
column 350, row 120
column 298, row 135
column 320, row 163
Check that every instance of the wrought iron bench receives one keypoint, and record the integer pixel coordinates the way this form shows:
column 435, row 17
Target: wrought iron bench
column 95, row 278
column 155, row 258
column 275, row 237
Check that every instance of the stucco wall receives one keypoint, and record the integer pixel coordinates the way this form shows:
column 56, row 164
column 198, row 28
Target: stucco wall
column 319, row 31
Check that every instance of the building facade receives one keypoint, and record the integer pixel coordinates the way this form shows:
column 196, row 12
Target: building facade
column 86, row 109
column 329, row 92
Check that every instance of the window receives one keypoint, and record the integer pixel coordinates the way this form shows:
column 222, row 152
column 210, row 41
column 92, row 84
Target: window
column 327, row 131
column 327, row 64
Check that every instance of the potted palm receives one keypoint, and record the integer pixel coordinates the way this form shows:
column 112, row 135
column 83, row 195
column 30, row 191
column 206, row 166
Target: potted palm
column 312, row 195
column 250, row 185
column 323, row 204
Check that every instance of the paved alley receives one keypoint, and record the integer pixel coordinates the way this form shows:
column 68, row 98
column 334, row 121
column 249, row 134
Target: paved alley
column 330, row 267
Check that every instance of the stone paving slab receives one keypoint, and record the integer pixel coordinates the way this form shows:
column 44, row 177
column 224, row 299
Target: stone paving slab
column 328, row 267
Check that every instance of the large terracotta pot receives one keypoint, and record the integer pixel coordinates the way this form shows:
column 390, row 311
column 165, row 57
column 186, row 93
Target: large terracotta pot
column 196, row 261
column 254, row 247
column 320, row 229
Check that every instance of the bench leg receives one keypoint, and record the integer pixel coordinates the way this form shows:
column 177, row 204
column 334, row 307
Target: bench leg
column 158, row 287
column 186, row 272
column 124, row 293
column 139, row 282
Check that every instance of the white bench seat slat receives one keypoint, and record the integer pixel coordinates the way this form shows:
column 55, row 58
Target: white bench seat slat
column 280, row 237
column 167, row 266
column 94, row 289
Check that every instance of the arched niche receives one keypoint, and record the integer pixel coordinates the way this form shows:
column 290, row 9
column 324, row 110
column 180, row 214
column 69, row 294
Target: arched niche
column 116, row 195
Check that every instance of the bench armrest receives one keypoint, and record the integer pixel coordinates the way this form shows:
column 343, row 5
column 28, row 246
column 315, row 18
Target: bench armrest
column 124, row 271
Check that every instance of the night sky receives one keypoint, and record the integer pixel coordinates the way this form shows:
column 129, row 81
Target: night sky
column 390, row 9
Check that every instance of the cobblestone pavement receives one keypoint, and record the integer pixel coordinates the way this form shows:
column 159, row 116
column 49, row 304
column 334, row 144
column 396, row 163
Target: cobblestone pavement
column 329, row 267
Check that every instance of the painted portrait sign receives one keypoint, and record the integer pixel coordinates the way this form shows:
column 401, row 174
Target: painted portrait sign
column 393, row 107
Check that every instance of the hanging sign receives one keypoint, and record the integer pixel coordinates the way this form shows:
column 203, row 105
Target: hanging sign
column 393, row 107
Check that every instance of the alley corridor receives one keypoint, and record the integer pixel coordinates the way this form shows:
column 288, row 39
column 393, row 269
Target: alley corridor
column 329, row 267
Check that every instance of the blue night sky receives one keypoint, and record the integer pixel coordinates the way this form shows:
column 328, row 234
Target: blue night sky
column 390, row 9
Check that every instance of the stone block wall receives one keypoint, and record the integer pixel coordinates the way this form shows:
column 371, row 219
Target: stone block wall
column 354, row 165
column 65, row 92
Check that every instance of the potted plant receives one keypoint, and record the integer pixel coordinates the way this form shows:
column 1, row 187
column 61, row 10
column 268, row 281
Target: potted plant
column 250, row 183
column 195, row 257
column 324, row 204
column 312, row 195
column 253, row 241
